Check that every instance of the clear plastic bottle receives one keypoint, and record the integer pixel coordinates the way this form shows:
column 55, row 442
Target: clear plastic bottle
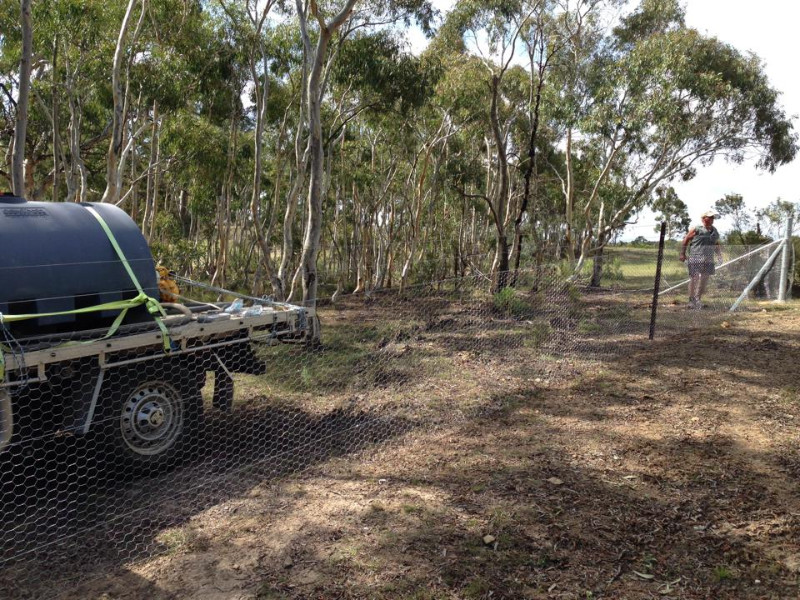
column 235, row 307
column 254, row 311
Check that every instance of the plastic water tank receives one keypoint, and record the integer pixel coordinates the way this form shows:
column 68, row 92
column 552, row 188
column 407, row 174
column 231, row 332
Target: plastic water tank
column 55, row 257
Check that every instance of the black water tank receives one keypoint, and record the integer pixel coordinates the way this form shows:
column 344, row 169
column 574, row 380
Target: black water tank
column 54, row 257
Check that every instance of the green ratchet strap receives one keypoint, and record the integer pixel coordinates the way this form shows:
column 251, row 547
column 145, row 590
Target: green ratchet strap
column 153, row 306
column 121, row 305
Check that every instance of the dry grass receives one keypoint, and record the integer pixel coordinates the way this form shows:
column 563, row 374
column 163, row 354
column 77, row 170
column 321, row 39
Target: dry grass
column 665, row 469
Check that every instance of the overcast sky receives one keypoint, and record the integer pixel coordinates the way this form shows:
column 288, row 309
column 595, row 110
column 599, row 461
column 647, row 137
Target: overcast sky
column 768, row 28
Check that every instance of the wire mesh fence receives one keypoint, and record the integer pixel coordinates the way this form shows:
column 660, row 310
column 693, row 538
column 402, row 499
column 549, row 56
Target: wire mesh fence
column 116, row 446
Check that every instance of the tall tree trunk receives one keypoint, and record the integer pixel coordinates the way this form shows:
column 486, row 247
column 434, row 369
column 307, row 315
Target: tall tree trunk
column 308, row 259
column 134, row 192
column 112, row 191
column 56, row 125
column 77, row 182
column 224, row 206
column 183, row 212
column 569, row 197
column 288, row 225
column 314, row 225
column 156, row 186
column 501, row 262
column 262, row 95
column 149, row 202
column 21, row 125
column 598, row 261
column 529, row 170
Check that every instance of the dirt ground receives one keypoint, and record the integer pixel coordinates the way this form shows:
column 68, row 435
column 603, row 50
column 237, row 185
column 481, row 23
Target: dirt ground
column 665, row 469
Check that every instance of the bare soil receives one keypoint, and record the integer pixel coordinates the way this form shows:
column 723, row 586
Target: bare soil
column 665, row 469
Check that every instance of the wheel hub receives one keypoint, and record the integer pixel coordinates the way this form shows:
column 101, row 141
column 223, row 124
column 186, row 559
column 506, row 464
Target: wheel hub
column 152, row 418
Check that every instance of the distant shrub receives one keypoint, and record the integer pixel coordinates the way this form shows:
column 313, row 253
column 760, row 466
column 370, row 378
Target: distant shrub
column 508, row 302
column 566, row 268
column 642, row 242
column 612, row 269
column 587, row 326
column 537, row 334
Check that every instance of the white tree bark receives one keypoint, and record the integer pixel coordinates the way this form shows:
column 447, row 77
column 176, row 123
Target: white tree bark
column 115, row 148
column 316, row 90
column 21, row 125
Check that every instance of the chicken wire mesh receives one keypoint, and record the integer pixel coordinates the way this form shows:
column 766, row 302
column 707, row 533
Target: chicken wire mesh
column 117, row 446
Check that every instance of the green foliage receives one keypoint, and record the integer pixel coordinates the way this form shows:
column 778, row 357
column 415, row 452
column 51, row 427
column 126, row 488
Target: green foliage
column 612, row 269
column 776, row 214
column 306, row 377
column 722, row 573
column 537, row 334
column 589, row 327
column 477, row 587
column 388, row 78
column 642, row 242
column 176, row 253
column 652, row 17
column 746, row 238
column 733, row 206
column 410, row 152
column 508, row 302
column 673, row 211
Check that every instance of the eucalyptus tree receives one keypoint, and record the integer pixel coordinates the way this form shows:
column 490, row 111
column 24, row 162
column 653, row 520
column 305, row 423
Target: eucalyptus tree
column 733, row 206
column 67, row 85
column 21, row 125
column 775, row 215
column 671, row 210
column 492, row 32
column 115, row 156
column 463, row 92
column 327, row 22
column 315, row 59
column 544, row 39
column 384, row 96
column 203, row 160
column 249, row 22
column 576, row 49
column 665, row 99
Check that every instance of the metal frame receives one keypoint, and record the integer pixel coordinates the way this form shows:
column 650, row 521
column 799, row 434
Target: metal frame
column 725, row 264
column 253, row 328
column 211, row 335
column 95, row 396
column 763, row 271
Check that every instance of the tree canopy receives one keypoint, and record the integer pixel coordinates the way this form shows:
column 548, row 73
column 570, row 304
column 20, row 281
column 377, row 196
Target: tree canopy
column 292, row 148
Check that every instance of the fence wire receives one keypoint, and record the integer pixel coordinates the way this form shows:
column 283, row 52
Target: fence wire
column 117, row 447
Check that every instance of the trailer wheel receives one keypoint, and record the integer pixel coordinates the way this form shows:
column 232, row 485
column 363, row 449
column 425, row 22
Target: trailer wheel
column 150, row 422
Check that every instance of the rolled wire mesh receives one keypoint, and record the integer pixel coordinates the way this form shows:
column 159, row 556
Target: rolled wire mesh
column 117, row 449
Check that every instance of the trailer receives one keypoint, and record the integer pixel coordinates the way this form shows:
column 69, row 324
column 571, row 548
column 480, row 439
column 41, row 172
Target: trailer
column 83, row 354
column 146, row 402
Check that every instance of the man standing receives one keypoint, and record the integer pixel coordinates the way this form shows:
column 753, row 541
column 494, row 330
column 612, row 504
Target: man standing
column 703, row 243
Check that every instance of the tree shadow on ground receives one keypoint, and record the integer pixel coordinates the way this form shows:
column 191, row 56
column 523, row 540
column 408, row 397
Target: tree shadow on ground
column 690, row 508
column 560, row 526
column 65, row 505
column 572, row 508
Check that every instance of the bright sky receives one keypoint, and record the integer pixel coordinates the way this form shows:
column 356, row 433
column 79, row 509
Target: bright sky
column 768, row 29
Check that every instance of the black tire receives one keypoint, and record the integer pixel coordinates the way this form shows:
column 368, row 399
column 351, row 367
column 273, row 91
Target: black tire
column 150, row 418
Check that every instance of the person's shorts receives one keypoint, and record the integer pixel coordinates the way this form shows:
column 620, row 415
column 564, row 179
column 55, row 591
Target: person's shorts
column 700, row 265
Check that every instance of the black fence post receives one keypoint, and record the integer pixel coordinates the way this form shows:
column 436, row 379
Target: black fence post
column 657, row 284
